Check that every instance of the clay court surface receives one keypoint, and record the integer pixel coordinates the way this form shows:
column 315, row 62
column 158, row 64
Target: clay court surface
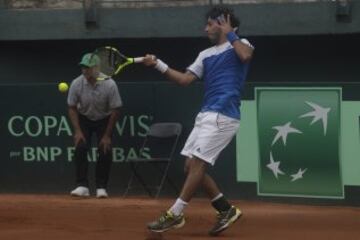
column 54, row 217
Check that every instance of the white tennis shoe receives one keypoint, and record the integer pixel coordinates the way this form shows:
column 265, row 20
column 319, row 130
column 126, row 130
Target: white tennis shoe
column 80, row 192
column 101, row 193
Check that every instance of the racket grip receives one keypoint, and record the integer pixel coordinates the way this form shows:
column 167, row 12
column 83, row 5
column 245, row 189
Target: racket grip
column 138, row 59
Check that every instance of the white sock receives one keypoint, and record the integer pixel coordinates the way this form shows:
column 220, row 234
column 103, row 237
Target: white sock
column 217, row 197
column 178, row 207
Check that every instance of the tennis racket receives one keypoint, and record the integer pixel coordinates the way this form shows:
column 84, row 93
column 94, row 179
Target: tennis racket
column 112, row 61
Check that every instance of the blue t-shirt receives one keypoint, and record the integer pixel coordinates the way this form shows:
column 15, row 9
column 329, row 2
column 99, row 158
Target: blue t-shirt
column 224, row 75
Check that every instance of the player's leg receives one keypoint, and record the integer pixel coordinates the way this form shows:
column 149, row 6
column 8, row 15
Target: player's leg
column 81, row 162
column 208, row 184
column 210, row 187
column 196, row 142
column 104, row 162
column 194, row 178
column 226, row 213
column 218, row 201
column 174, row 217
column 216, row 133
column 169, row 219
column 209, row 137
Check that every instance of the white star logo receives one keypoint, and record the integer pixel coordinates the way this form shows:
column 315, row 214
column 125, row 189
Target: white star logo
column 283, row 131
column 318, row 113
column 274, row 166
column 298, row 175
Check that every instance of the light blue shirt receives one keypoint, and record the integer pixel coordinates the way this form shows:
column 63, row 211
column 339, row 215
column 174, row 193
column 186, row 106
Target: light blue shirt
column 224, row 75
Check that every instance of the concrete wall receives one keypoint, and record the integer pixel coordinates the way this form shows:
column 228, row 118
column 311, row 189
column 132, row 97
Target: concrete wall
column 269, row 19
column 46, row 4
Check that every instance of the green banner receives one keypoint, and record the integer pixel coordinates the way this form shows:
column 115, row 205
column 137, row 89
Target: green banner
column 37, row 149
column 299, row 137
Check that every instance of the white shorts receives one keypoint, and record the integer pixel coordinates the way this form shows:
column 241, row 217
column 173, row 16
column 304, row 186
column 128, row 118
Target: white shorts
column 211, row 134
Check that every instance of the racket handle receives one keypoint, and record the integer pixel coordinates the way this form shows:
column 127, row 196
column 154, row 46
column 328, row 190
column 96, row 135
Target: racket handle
column 138, row 59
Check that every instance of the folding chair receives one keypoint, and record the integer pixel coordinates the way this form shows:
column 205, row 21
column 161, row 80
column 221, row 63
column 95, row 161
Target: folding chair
column 159, row 147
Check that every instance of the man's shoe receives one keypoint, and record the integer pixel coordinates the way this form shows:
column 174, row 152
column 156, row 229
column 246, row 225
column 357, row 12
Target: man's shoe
column 101, row 193
column 166, row 222
column 225, row 219
column 80, row 192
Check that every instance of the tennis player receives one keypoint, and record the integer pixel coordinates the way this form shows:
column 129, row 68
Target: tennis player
column 223, row 69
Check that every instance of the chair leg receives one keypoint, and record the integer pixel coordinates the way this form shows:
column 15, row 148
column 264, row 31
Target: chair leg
column 163, row 178
column 129, row 183
column 173, row 185
column 167, row 178
column 141, row 180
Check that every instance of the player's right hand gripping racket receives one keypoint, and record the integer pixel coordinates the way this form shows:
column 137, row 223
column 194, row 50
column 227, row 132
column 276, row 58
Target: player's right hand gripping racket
column 112, row 61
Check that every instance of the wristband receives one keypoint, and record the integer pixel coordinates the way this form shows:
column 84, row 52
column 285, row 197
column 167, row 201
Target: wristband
column 161, row 66
column 232, row 37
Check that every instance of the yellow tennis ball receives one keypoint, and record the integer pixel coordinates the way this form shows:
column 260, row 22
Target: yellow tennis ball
column 63, row 87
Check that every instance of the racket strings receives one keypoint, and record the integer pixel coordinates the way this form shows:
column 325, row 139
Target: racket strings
column 107, row 62
column 110, row 61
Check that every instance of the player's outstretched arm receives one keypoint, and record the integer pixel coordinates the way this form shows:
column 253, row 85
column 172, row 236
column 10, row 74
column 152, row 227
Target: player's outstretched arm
column 178, row 77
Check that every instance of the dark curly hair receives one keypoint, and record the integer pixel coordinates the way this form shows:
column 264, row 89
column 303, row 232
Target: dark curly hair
column 219, row 10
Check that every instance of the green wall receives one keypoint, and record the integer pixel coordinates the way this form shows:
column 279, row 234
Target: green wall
column 327, row 58
column 28, row 106
column 30, row 71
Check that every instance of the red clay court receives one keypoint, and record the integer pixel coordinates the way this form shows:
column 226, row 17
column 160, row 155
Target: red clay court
column 60, row 217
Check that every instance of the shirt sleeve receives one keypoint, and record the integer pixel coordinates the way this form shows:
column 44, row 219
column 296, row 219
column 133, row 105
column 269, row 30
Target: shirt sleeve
column 114, row 97
column 73, row 97
column 197, row 67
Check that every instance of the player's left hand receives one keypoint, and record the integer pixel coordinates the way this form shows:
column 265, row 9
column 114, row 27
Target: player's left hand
column 105, row 143
column 224, row 23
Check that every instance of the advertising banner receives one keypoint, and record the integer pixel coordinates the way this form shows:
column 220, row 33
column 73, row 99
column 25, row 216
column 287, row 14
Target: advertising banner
column 299, row 142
